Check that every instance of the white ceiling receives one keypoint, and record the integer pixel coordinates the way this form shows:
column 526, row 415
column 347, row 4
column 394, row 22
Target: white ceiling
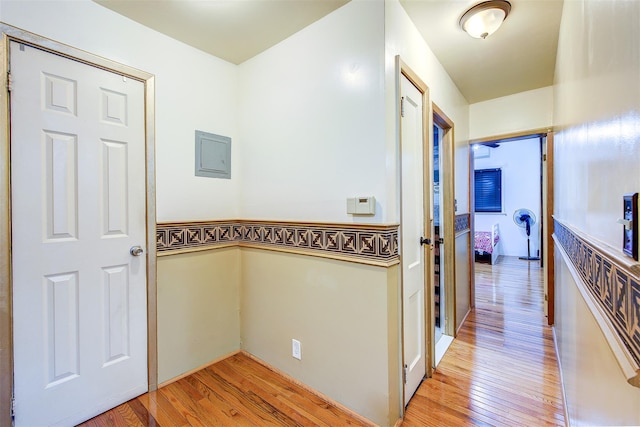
column 519, row 56
column 234, row 30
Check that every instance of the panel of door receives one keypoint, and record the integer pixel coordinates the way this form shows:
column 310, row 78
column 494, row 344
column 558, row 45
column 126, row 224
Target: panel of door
column 413, row 259
column 78, row 208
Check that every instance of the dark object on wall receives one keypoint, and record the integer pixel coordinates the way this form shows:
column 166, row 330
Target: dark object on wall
column 630, row 222
column 525, row 218
column 488, row 190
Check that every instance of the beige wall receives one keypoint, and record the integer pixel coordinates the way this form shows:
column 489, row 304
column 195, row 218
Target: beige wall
column 345, row 316
column 520, row 112
column 338, row 310
column 309, row 107
column 198, row 309
column 462, row 277
column 597, row 392
column 597, row 110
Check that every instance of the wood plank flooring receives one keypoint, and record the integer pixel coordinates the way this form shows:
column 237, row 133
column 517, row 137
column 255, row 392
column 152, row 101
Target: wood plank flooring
column 237, row 391
column 501, row 370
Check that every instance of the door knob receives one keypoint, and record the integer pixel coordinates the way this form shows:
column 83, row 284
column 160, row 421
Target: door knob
column 424, row 241
column 136, row 250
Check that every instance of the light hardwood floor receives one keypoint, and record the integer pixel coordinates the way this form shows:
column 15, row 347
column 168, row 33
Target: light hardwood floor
column 501, row 370
column 237, row 391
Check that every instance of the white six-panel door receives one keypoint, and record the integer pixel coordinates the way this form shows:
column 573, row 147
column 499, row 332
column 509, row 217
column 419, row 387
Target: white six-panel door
column 413, row 260
column 78, row 206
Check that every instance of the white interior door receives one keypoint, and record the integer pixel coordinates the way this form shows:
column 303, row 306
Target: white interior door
column 78, row 206
column 413, row 260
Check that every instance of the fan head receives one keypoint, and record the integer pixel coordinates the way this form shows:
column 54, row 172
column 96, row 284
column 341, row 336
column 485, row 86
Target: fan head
column 524, row 218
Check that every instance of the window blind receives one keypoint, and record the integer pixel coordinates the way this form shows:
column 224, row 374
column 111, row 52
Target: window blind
column 488, row 190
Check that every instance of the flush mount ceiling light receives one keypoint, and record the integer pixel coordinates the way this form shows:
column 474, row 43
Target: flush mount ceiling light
column 485, row 18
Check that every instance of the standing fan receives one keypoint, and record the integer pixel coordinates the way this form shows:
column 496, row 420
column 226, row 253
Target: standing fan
column 525, row 218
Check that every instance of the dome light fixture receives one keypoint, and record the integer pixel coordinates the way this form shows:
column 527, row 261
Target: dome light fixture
column 485, row 18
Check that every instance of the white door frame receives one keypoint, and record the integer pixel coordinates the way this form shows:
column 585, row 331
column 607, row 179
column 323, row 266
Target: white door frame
column 403, row 69
column 8, row 34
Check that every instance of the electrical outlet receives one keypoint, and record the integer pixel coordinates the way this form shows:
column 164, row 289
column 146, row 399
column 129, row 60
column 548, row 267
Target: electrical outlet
column 296, row 349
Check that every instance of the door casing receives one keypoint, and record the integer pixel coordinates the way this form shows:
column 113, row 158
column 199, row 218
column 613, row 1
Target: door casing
column 9, row 33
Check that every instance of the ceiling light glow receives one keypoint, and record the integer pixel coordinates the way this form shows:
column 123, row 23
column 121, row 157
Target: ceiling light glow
column 485, row 18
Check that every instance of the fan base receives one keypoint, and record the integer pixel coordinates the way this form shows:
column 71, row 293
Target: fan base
column 530, row 258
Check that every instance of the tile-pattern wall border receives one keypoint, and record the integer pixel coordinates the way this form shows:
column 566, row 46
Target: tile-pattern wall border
column 463, row 222
column 615, row 284
column 363, row 243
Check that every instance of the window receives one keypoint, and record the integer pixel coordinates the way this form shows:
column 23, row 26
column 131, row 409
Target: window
column 488, row 190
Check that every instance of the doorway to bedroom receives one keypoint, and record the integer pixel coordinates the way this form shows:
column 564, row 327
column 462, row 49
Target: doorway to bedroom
column 511, row 210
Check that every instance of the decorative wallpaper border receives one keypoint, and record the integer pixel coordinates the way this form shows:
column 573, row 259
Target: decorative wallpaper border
column 615, row 286
column 369, row 244
column 463, row 222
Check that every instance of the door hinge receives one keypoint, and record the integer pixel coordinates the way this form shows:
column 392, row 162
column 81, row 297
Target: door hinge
column 402, row 107
column 13, row 407
column 404, row 375
column 9, row 81
column 546, row 297
column 544, row 157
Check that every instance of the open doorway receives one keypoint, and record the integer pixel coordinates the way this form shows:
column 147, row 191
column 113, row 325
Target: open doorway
column 508, row 189
column 442, row 338
column 444, row 234
column 512, row 189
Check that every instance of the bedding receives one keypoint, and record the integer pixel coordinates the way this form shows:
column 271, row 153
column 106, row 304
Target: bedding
column 483, row 241
column 486, row 245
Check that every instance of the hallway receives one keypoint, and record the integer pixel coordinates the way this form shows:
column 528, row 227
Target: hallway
column 501, row 370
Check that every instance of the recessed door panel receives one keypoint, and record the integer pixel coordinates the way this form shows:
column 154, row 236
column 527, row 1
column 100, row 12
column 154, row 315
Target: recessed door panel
column 59, row 94
column 114, row 188
column 113, row 107
column 116, row 313
column 61, row 155
column 413, row 345
column 61, row 296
